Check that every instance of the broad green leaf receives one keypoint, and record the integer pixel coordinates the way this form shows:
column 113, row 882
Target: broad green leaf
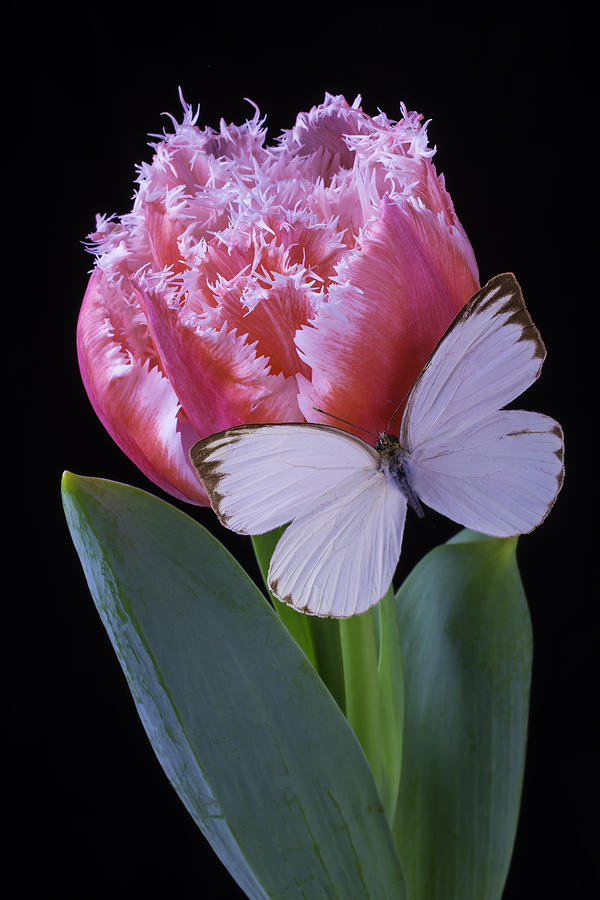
column 467, row 648
column 251, row 740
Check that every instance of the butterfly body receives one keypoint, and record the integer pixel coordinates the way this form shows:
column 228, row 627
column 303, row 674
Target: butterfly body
column 393, row 462
column 494, row 470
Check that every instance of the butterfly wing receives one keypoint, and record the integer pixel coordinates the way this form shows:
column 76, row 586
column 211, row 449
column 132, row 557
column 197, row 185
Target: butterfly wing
column 338, row 558
column 261, row 476
column 496, row 471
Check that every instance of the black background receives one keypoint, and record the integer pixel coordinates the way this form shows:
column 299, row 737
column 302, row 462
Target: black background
column 507, row 95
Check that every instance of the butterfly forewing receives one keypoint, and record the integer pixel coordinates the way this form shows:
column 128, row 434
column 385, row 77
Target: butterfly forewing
column 497, row 471
column 338, row 558
column 261, row 476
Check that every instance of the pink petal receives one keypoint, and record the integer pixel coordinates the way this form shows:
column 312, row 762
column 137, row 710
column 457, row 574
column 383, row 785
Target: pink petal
column 129, row 392
column 323, row 131
column 216, row 373
column 395, row 295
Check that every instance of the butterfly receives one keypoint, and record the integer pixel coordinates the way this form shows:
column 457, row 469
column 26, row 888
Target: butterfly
column 494, row 470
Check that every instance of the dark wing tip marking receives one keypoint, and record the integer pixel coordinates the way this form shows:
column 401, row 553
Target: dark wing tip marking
column 514, row 305
column 560, row 475
column 274, row 588
column 560, row 455
column 505, row 284
column 208, row 471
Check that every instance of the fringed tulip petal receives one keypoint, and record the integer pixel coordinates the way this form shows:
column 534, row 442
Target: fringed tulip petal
column 131, row 396
column 216, row 373
column 370, row 340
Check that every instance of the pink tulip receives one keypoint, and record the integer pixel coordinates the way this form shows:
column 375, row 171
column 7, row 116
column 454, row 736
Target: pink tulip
column 251, row 283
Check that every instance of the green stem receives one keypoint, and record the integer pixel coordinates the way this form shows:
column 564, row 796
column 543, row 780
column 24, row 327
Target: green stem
column 325, row 634
column 359, row 654
column 296, row 623
column 391, row 695
column 319, row 638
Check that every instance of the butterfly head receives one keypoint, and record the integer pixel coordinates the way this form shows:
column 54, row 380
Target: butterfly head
column 387, row 444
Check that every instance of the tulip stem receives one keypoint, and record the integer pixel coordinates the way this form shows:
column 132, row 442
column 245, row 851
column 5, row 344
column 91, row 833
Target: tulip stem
column 391, row 698
column 359, row 654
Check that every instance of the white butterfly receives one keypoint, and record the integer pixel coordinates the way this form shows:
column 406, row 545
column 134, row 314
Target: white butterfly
column 494, row 470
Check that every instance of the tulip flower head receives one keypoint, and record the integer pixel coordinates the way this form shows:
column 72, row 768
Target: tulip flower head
column 252, row 283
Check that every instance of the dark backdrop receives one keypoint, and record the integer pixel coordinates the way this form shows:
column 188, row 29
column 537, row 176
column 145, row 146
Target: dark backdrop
column 508, row 102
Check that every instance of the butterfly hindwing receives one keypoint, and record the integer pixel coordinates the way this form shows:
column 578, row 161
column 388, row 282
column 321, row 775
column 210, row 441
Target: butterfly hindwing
column 501, row 479
column 338, row 558
column 497, row 471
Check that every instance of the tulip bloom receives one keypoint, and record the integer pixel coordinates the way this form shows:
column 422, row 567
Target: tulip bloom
column 252, row 283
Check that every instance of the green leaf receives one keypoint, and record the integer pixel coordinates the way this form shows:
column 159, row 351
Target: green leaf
column 467, row 648
column 251, row 740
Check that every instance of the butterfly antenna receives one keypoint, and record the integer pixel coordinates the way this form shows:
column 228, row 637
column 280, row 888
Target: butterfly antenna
column 345, row 421
column 394, row 414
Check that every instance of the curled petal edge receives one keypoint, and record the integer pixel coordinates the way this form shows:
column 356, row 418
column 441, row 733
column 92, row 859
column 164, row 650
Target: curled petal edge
column 134, row 401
